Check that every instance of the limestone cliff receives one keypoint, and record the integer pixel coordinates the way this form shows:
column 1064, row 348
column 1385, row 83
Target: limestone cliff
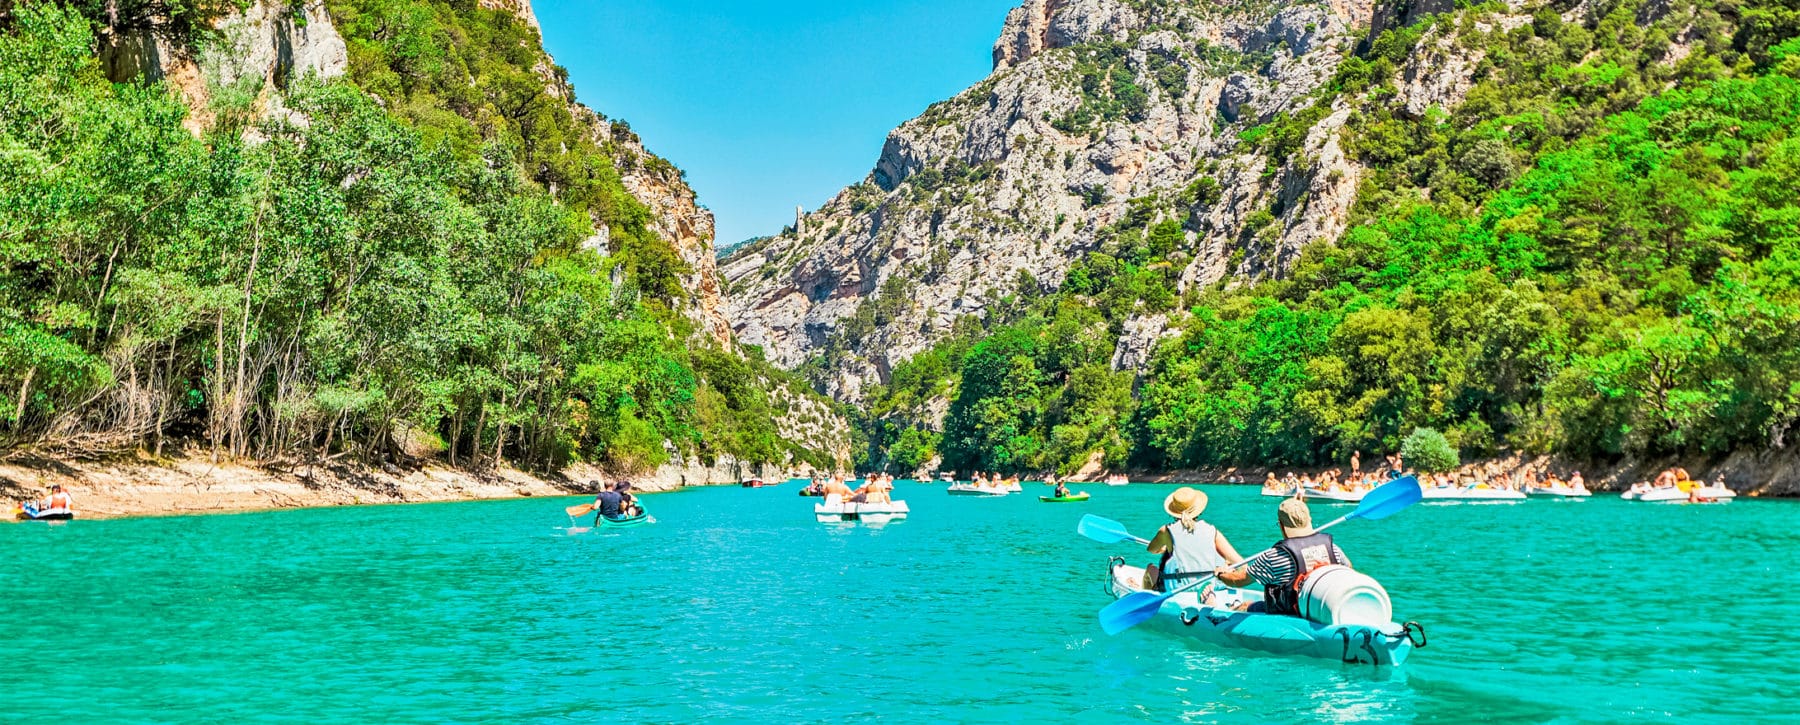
column 1095, row 110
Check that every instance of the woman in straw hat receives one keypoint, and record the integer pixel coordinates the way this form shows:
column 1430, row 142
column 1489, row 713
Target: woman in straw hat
column 1190, row 548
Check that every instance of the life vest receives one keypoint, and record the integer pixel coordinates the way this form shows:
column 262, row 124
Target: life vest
column 1191, row 554
column 1308, row 553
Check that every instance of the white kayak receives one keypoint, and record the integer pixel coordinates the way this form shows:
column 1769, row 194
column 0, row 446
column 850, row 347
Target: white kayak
column 833, row 510
column 1471, row 493
column 969, row 489
column 1383, row 644
column 1558, row 491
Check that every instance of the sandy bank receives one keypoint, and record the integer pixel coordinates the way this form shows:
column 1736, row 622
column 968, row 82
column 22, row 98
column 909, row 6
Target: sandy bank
column 110, row 489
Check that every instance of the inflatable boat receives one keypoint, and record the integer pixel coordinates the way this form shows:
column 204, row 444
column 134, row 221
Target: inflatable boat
column 835, row 510
column 1350, row 619
column 30, row 512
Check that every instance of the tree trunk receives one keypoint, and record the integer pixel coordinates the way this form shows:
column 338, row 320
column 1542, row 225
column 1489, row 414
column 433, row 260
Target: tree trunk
column 24, row 391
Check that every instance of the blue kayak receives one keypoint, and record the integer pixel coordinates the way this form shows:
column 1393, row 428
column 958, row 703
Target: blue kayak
column 1185, row 616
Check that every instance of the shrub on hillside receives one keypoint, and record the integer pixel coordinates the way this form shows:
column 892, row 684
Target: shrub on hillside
column 1428, row 451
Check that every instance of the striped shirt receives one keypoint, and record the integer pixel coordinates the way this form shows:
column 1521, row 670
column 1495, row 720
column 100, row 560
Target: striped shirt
column 1277, row 569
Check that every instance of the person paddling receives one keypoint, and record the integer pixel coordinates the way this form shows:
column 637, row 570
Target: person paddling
column 1190, row 548
column 609, row 503
column 1285, row 567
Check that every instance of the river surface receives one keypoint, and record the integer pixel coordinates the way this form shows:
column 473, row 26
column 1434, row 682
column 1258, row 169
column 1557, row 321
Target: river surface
column 737, row 605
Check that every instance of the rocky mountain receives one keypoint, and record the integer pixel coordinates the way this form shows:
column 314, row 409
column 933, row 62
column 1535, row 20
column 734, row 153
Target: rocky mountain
column 1096, row 111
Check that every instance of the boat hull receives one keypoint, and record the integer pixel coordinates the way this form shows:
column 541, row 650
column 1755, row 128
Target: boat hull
column 1676, row 495
column 1559, row 492
column 28, row 512
column 1183, row 615
column 1457, row 493
column 608, row 522
column 1076, row 498
column 963, row 489
column 1338, row 496
column 831, row 512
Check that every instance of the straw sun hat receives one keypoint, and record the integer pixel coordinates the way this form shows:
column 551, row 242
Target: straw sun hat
column 1185, row 502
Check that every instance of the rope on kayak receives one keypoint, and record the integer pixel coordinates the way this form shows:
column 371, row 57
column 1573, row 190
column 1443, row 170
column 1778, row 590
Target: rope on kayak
column 1409, row 629
column 1112, row 566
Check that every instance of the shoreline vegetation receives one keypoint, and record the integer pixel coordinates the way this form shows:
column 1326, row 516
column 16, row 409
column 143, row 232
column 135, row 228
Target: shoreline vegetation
column 145, row 487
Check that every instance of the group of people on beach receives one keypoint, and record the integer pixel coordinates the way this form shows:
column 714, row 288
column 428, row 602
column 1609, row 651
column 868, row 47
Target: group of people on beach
column 1191, row 549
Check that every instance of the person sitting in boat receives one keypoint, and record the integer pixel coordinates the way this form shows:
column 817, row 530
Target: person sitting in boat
column 628, row 504
column 57, row 505
column 1576, row 482
column 836, row 486
column 1283, row 570
column 1190, row 548
column 609, row 503
column 1062, row 488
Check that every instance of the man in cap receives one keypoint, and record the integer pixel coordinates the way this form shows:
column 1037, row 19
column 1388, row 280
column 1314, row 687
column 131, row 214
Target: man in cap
column 1285, row 567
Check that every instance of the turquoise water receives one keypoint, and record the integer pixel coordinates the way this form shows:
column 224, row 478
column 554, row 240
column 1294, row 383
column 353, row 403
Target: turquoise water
column 737, row 605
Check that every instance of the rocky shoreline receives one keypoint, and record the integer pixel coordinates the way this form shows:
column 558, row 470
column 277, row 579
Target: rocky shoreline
column 196, row 485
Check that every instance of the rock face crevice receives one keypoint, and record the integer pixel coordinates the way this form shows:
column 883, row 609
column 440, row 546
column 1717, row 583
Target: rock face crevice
column 1092, row 104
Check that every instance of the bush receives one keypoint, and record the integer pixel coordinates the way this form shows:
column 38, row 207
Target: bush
column 1428, row 451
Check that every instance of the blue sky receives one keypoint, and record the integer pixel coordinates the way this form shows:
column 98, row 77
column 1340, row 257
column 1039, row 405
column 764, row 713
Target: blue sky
column 769, row 105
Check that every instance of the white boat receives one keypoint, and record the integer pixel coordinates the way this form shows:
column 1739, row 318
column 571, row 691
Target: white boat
column 1672, row 494
column 836, row 510
column 1351, row 496
column 1558, row 491
column 970, row 489
column 1472, row 493
column 1279, row 492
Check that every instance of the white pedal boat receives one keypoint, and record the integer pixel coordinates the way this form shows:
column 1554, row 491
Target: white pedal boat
column 1672, row 494
column 1460, row 493
column 835, row 510
column 1558, row 491
column 966, row 489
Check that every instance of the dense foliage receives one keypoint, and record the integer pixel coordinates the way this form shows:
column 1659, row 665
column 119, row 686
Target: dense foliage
column 1597, row 254
column 387, row 283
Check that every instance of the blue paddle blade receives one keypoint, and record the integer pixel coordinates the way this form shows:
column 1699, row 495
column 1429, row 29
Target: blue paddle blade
column 1389, row 499
column 1105, row 531
column 1134, row 609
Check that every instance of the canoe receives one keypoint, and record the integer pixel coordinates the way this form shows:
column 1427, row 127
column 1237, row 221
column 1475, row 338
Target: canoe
column 30, row 512
column 1183, row 615
column 834, row 510
column 608, row 522
column 1071, row 498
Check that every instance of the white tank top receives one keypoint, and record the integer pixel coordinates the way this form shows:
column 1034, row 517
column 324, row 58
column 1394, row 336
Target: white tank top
column 1195, row 552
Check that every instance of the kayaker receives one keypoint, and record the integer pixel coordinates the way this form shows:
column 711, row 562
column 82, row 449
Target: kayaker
column 608, row 503
column 1190, row 548
column 1062, row 489
column 1284, row 568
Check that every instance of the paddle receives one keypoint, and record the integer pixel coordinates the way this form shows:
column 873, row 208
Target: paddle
column 582, row 510
column 1137, row 607
column 1106, row 531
